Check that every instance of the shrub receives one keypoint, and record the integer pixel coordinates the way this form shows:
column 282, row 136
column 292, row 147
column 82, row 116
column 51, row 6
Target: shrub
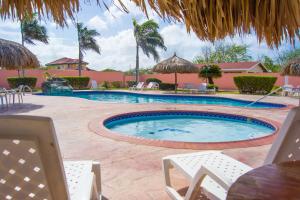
column 105, row 84
column 14, row 82
column 130, row 83
column 212, row 86
column 167, row 86
column 153, row 80
column 254, row 84
column 116, row 84
column 77, row 82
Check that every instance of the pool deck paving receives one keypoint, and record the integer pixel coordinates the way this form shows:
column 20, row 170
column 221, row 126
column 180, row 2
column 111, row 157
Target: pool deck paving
column 131, row 171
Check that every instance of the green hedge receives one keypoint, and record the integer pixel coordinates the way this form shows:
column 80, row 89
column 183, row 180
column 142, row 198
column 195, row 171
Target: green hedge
column 130, row 83
column 255, row 84
column 153, row 80
column 14, row 82
column 77, row 82
column 167, row 86
column 116, row 84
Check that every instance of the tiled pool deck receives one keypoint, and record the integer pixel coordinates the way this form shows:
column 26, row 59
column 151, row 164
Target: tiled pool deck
column 131, row 171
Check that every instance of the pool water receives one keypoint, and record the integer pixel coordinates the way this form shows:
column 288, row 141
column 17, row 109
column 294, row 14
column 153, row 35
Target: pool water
column 127, row 97
column 187, row 127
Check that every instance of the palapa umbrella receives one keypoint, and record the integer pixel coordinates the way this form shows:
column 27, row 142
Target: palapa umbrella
column 271, row 20
column 292, row 68
column 13, row 55
column 175, row 65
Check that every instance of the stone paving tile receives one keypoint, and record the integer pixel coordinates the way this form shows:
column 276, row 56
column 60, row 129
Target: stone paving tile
column 130, row 171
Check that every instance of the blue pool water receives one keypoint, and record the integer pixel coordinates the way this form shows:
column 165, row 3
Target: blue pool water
column 189, row 126
column 126, row 97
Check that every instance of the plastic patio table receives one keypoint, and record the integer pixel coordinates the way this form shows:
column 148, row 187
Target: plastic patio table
column 273, row 181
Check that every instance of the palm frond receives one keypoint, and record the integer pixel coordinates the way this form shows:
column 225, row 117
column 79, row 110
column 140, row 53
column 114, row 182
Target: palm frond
column 33, row 31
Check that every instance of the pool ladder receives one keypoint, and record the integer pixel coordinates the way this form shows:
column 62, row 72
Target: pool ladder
column 272, row 92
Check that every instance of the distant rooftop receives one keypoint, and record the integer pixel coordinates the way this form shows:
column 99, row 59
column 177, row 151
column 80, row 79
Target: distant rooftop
column 238, row 66
column 65, row 60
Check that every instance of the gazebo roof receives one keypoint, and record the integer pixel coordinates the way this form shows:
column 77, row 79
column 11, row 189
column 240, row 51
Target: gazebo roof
column 292, row 68
column 175, row 64
column 13, row 55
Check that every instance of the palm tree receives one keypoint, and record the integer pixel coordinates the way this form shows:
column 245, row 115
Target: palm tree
column 86, row 41
column 31, row 30
column 210, row 72
column 148, row 39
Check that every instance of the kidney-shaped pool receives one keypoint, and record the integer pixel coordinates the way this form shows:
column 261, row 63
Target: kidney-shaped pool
column 189, row 126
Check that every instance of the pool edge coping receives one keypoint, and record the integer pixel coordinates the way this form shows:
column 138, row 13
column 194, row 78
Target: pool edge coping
column 285, row 106
column 97, row 126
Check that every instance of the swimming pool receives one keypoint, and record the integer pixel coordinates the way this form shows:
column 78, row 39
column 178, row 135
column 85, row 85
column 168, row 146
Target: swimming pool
column 189, row 126
column 127, row 97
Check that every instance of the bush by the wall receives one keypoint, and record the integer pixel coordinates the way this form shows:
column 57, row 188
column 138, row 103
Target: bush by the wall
column 78, row 82
column 116, row 84
column 106, row 85
column 212, row 86
column 255, row 84
column 130, row 83
column 14, row 82
column 153, row 80
column 167, row 86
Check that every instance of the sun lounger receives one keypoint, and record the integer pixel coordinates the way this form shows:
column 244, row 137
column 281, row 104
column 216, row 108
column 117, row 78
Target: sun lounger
column 94, row 85
column 139, row 86
column 152, row 85
column 212, row 172
column 189, row 87
column 32, row 167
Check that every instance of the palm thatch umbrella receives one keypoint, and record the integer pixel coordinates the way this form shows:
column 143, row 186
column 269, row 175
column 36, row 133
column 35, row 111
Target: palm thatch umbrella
column 175, row 65
column 292, row 68
column 272, row 20
column 13, row 55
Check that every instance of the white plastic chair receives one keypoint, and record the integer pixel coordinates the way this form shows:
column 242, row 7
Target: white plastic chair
column 4, row 97
column 287, row 90
column 19, row 92
column 202, row 88
column 139, row 86
column 94, row 85
column 31, row 166
column 213, row 173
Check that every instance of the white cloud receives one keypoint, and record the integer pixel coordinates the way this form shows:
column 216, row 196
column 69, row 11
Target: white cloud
column 9, row 24
column 97, row 22
column 57, row 48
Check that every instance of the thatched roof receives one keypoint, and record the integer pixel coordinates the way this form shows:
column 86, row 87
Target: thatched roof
column 13, row 55
column 175, row 64
column 271, row 20
column 292, row 68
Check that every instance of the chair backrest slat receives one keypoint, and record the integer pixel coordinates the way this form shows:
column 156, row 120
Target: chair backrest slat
column 30, row 162
column 286, row 147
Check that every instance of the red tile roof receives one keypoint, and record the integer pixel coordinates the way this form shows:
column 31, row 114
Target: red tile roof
column 243, row 66
column 65, row 60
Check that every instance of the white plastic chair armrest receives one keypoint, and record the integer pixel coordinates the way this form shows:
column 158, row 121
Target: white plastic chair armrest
column 213, row 174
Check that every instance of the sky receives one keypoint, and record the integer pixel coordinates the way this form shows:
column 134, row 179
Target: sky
column 117, row 42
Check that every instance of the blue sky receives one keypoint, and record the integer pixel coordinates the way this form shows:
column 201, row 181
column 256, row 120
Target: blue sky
column 117, row 42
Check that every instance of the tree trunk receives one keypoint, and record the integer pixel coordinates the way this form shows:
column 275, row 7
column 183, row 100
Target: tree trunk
column 80, row 61
column 22, row 38
column 79, row 53
column 175, row 82
column 210, row 80
column 137, row 64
